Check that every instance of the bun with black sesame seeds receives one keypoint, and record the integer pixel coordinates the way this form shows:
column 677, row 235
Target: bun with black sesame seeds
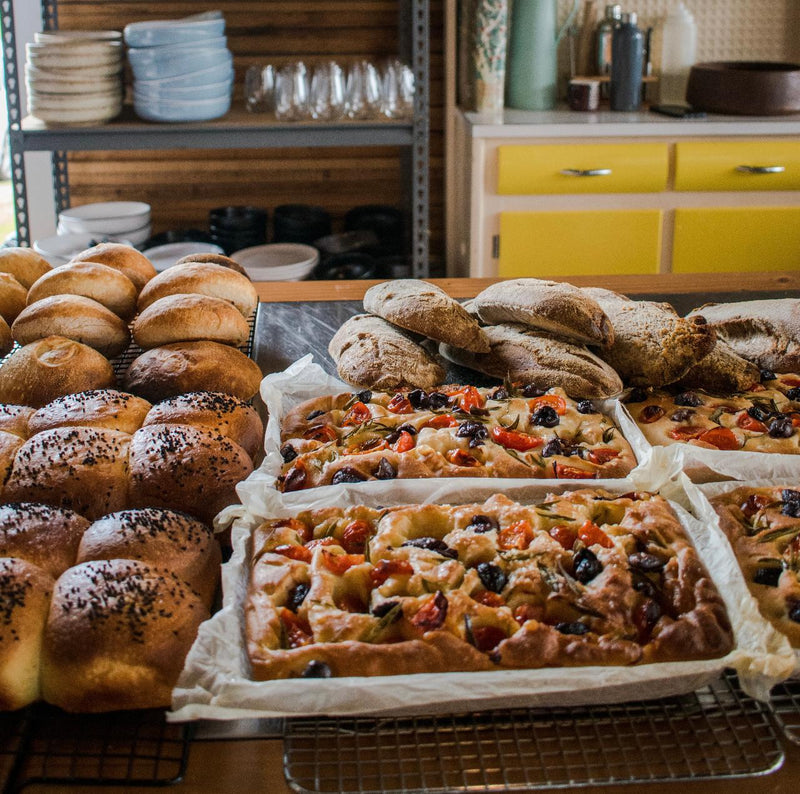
column 116, row 637
column 160, row 537
column 185, row 468
column 25, row 591
column 223, row 413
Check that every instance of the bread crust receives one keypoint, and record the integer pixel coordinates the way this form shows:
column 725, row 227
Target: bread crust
column 14, row 419
column 24, row 264
column 9, row 444
column 13, row 297
column 6, row 338
column 108, row 408
column 135, row 265
column 214, row 259
column 722, row 371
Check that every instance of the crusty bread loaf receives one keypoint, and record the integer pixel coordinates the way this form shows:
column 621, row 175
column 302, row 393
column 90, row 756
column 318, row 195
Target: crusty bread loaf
column 554, row 307
column 425, row 309
column 189, row 318
column 108, row 408
column 48, row 368
column 6, row 338
column 9, row 444
column 202, row 278
column 81, row 468
column 15, row 418
column 521, row 355
column 185, row 468
column 159, row 537
column 74, row 317
column 135, row 265
column 652, row 346
column 106, row 285
column 13, row 297
column 214, row 259
column 25, row 591
column 192, row 366
column 116, row 637
column 24, row 264
column 45, row 535
column 766, row 332
column 721, row 372
column 221, row 413
column 372, row 353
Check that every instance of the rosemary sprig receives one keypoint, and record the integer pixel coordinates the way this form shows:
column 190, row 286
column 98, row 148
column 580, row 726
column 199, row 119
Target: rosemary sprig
column 374, row 631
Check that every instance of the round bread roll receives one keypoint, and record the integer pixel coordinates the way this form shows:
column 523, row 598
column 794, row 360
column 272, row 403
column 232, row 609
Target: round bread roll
column 164, row 538
column 13, row 297
column 25, row 591
column 45, row 535
column 109, row 287
column 75, row 317
column 215, row 259
column 116, row 636
column 82, row 468
column 6, row 339
column 48, row 368
column 189, row 318
column 192, row 366
column 15, row 418
column 24, row 264
column 9, row 444
column 135, row 265
column 108, row 408
column 185, row 468
column 221, row 413
column 202, row 278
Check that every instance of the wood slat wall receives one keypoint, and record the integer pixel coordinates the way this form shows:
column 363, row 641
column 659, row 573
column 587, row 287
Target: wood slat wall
column 182, row 185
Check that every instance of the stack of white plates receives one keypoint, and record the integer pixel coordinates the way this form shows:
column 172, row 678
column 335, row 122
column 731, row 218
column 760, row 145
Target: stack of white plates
column 128, row 219
column 62, row 248
column 182, row 68
column 74, row 77
column 278, row 261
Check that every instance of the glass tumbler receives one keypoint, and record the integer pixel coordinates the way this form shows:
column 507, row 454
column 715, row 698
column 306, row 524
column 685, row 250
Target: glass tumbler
column 291, row 92
column 363, row 92
column 327, row 92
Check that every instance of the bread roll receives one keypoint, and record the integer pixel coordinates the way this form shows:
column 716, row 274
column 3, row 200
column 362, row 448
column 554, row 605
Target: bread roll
column 108, row 408
column 13, row 297
column 24, row 264
column 135, row 265
column 81, row 468
column 214, row 259
column 202, row 278
column 74, row 317
column 9, row 445
column 109, row 287
column 15, row 418
column 221, row 413
column 189, row 318
column 185, row 468
column 159, row 537
column 45, row 535
column 51, row 367
column 25, row 591
column 6, row 338
column 116, row 636
column 371, row 353
column 192, row 366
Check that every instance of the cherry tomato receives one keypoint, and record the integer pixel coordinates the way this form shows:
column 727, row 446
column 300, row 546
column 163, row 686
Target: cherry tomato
column 442, row 420
column 298, row 632
column 431, row 615
column 564, row 472
column 460, row 458
column 524, row 612
column 650, row 413
column 295, row 478
column 591, row 534
column 467, row 398
column 685, row 432
column 753, row 504
column 795, row 417
column 357, row 415
column 720, row 437
column 399, row 404
column 339, row 563
column 515, row 536
column 386, row 568
column 553, row 400
column 304, row 532
column 566, row 536
column 323, row 433
column 791, row 382
column 355, row 536
column 404, row 443
column 350, row 602
column 293, row 552
column 747, row 422
column 602, row 455
column 514, row 439
column 487, row 638
column 488, row 598
column 312, row 544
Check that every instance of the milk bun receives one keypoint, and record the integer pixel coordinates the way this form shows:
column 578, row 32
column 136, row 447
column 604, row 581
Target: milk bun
column 24, row 264
column 13, row 297
column 135, row 265
column 216, row 259
column 108, row 408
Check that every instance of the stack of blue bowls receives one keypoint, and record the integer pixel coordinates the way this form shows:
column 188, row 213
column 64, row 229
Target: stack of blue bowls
column 182, row 68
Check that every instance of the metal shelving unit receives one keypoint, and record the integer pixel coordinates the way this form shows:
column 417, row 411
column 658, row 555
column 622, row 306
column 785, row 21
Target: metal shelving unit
column 237, row 130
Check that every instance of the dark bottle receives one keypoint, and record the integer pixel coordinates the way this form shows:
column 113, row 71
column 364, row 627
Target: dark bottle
column 627, row 63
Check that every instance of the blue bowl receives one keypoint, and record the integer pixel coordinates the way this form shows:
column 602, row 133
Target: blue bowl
column 171, row 110
column 160, row 32
column 208, row 91
column 184, row 64
column 215, row 74
column 142, row 56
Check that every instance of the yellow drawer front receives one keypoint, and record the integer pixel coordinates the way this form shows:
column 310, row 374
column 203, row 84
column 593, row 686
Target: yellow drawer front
column 590, row 168
column 732, row 165
column 579, row 243
column 736, row 239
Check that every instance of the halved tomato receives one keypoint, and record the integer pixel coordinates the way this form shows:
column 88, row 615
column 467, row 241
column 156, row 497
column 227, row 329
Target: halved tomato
column 553, row 400
column 357, row 415
column 720, row 437
column 515, row 439
column 515, row 536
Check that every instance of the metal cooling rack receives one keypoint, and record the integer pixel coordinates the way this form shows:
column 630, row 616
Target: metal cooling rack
column 716, row 732
column 785, row 704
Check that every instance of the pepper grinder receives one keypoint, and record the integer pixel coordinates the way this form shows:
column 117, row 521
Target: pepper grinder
column 627, row 64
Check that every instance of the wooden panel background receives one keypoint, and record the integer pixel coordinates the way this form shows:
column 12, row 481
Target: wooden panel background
column 182, row 185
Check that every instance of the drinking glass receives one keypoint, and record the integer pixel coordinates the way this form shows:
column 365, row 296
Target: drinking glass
column 397, row 90
column 259, row 89
column 291, row 92
column 363, row 92
column 327, row 94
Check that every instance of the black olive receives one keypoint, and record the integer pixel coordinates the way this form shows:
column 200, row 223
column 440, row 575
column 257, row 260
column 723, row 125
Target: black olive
column 586, row 407
column 794, row 394
column 572, row 628
column 768, row 576
column 647, row 563
column 475, row 442
column 418, row 398
column 470, row 429
column 432, row 544
column 636, row 395
column 316, row 669
column 492, row 577
column 759, row 412
column 296, row 596
column 437, row 400
column 314, row 415
column 585, row 566
column 651, row 613
column 791, row 503
column 781, row 427
column 410, row 429
column 288, row 453
column 767, row 374
column 529, row 390
column 682, row 414
column 500, row 393
column 347, row 474
column 553, row 447
column 545, row 416
column 475, row 411
column 480, row 524
column 379, row 610
column 794, row 612
column 392, row 437
column 641, row 584
column 385, row 470
column 690, row 398
column 295, row 480
column 364, row 396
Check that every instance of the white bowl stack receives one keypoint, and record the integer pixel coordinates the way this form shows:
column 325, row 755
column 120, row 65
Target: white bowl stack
column 74, row 77
column 121, row 219
column 182, row 68
column 278, row 261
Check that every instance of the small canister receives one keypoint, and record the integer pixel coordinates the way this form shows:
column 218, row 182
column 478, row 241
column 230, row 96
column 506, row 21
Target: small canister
column 583, row 94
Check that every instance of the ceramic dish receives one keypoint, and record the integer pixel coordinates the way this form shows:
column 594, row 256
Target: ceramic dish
column 202, row 77
column 53, row 36
column 77, row 115
column 48, row 85
column 127, row 214
column 139, row 56
column 68, row 101
column 79, row 74
column 156, row 33
column 210, row 91
column 170, row 110
column 277, row 261
column 164, row 256
column 183, row 64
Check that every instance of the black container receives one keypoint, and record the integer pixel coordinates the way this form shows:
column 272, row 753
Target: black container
column 346, row 266
column 299, row 223
column 627, row 63
column 233, row 228
column 177, row 236
column 385, row 221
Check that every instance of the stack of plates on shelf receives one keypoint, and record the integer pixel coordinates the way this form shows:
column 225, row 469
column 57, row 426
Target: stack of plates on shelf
column 62, row 248
column 164, row 256
column 128, row 219
column 278, row 261
column 74, row 77
column 182, row 68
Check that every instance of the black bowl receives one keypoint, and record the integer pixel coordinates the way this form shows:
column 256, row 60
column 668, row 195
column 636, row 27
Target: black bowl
column 340, row 267
column 299, row 223
column 385, row 221
column 237, row 218
column 177, row 236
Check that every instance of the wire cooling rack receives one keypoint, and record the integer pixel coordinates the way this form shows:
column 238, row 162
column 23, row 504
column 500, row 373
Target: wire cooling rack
column 785, row 704
column 716, row 732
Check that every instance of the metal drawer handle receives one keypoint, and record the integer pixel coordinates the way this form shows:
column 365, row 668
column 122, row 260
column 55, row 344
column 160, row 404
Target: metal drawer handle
column 586, row 172
column 761, row 169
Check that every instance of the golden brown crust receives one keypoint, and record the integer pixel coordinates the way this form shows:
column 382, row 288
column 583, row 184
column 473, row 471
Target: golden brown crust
column 135, row 265
column 6, row 338
column 13, row 297
column 214, row 259
column 109, row 408
column 14, row 419
column 9, row 444
column 24, row 264
column 722, row 371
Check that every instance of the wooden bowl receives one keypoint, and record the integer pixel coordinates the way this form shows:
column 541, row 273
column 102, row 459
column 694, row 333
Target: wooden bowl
column 745, row 88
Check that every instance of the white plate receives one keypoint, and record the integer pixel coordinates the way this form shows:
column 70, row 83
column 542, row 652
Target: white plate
column 158, row 32
column 137, row 211
column 61, row 248
column 51, row 36
column 78, row 60
column 164, row 256
column 77, row 115
column 85, row 74
column 67, row 85
column 38, row 100
column 276, row 255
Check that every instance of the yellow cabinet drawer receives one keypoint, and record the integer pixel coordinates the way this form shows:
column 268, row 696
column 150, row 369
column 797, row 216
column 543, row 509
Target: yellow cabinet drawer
column 580, row 243
column 736, row 165
column 736, row 239
column 590, row 168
